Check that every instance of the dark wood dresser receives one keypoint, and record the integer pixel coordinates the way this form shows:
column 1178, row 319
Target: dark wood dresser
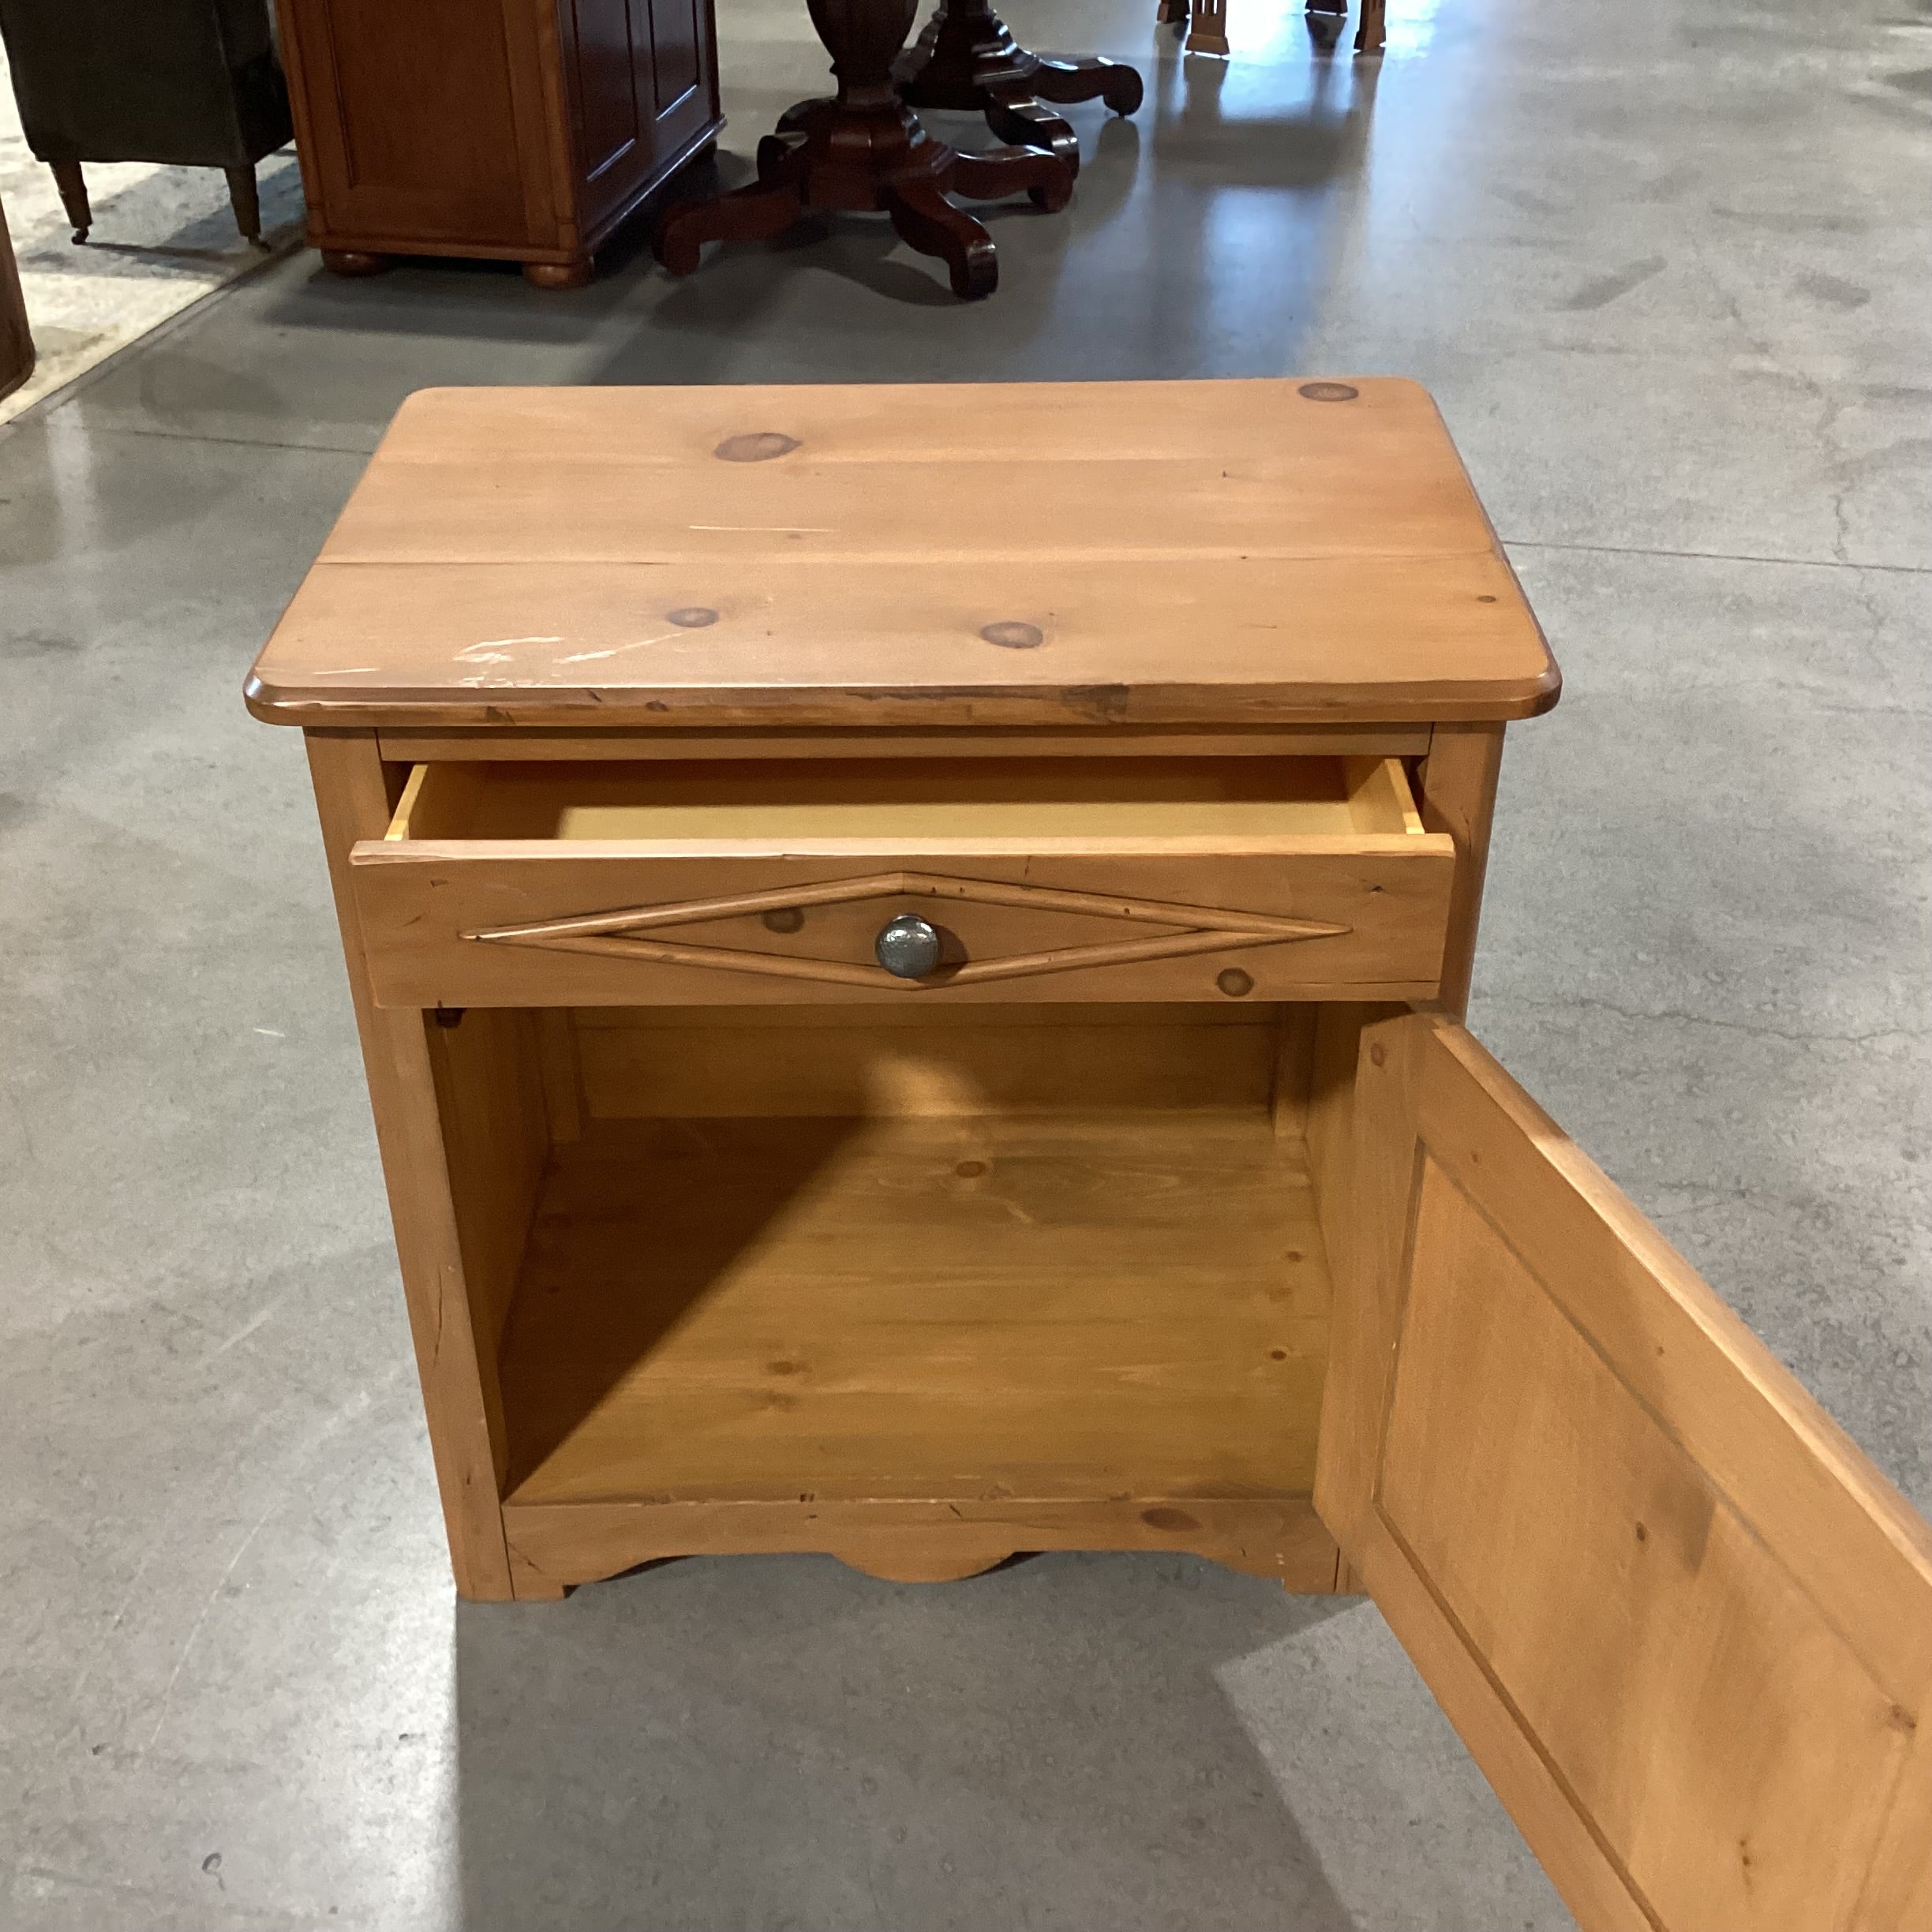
column 521, row 129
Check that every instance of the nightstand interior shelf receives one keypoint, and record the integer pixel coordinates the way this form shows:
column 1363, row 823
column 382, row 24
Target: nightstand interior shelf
column 746, row 1255
column 1064, row 1306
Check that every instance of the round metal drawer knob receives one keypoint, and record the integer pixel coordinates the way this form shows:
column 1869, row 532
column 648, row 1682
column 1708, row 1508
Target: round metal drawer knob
column 908, row 947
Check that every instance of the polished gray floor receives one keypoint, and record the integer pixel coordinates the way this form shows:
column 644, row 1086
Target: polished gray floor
column 1663, row 261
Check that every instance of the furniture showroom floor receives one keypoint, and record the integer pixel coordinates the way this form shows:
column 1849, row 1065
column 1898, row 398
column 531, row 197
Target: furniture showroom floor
column 1664, row 267
column 163, row 237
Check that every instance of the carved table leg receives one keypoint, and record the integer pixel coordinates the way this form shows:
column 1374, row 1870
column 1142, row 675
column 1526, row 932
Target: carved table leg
column 927, row 221
column 967, row 58
column 760, row 213
column 864, row 149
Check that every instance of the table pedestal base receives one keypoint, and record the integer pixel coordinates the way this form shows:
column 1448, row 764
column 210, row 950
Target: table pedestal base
column 967, row 58
column 876, row 156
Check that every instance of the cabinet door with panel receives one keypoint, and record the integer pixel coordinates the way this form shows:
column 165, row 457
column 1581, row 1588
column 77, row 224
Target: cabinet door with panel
column 525, row 129
column 642, row 94
column 420, row 126
column 1683, row 1624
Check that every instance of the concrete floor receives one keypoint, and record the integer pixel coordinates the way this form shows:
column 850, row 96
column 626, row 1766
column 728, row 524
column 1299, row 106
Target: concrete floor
column 1664, row 266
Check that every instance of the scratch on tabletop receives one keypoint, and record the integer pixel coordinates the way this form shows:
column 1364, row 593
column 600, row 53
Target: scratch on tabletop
column 636, row 644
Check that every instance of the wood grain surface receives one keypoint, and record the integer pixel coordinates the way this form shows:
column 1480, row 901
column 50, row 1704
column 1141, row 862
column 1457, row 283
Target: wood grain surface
column 1136, row 878
column 1196, row 553
column 1127, row 1304
column 1683, row 1624
column 437, row 1161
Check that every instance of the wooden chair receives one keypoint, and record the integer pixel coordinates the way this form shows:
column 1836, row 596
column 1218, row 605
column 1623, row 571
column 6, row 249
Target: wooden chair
column 185, row 83
column 1206, row 23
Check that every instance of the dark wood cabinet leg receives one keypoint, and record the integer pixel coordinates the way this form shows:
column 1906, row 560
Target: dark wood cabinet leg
column 246, row 200
column 557, row 275
column 73, row 185
column 1371, row 33
column 354, row 262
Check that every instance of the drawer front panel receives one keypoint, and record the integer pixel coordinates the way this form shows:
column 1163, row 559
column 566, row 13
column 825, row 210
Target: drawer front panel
column 549, row 925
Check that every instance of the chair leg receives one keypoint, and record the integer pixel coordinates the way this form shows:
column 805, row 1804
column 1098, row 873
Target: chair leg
column 73, row 185
column 246, row 200
column 1208, row 28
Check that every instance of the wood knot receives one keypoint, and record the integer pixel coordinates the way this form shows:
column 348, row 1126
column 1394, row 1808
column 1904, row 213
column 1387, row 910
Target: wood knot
column 1012, row 635
column 755, row 446
column 1165, row 1518
column 1378, row 1055
column 693, row 617
column 783, row 919
column 1235, row 983
column 1329, row 392
column 969, row 1170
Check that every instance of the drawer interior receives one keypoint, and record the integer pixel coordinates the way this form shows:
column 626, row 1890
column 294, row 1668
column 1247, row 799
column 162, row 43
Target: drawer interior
column 884, row 800
column 746, row 1255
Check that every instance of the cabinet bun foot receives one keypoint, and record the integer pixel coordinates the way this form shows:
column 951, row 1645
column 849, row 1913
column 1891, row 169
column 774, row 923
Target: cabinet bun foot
column 559, row 275
column 354, row 262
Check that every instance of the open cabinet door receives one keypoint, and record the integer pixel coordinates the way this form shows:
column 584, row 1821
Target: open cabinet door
column 1683, row 1626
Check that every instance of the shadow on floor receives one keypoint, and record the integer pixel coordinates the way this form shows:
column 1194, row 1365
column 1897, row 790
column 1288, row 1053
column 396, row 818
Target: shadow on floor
column 761, row 1742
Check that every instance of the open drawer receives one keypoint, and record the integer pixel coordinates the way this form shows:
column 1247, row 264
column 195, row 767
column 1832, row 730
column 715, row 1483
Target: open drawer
column 949, row 880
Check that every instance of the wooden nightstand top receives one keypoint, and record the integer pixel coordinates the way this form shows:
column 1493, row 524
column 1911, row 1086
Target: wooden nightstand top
column 1178, row 553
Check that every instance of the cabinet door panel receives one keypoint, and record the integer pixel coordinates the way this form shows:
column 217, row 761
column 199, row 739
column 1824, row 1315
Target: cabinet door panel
column 677, row 50
column 421, row 121
column 642, row 92
column 607, row 58
column 1681, row 1622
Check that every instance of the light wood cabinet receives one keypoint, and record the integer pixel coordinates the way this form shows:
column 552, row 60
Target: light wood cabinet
column 525, row 129
column 1151, row 1194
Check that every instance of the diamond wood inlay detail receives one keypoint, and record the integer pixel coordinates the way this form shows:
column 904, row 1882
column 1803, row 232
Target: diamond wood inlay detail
column 622, row 934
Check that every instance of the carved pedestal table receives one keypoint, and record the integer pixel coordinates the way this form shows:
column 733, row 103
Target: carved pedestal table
column 865, row 149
